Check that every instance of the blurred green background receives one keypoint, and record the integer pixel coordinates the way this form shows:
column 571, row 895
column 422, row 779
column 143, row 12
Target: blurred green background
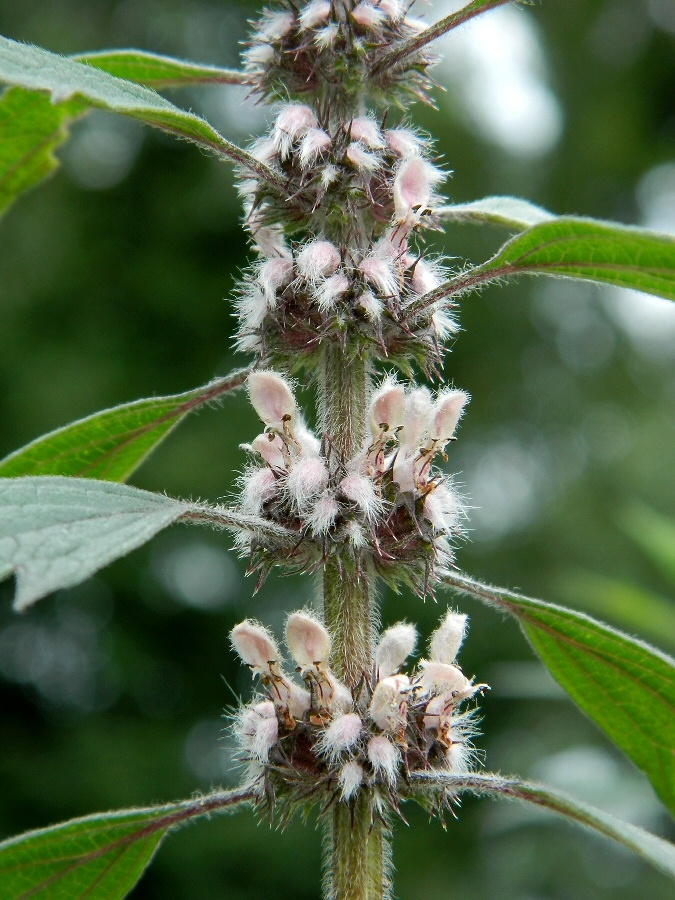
column 115, row 279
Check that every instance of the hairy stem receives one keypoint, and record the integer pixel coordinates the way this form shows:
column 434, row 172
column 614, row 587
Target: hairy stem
column 356, row 855
column 356, row 849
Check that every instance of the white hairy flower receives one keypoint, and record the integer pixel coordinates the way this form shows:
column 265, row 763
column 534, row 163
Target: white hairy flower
column 272, row 398
column 447, row 639
column 350, row 779
column 255, row 645
column 307, row 640
column 384, row 757
column 395, row 646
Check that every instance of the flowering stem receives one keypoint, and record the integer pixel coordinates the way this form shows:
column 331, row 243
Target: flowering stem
column 356, row 849
column 347, row 609
column 356, row 855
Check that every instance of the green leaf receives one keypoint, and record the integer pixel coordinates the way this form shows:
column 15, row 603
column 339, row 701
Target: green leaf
column 110, row 445
column 511, row 212
column 158, row 72
column 623, row 684
column 56, row 532
column 629, row 605
column 654, row 850
column 99, row 857
column 574, row 248
column 31, row 129
column 35, row 127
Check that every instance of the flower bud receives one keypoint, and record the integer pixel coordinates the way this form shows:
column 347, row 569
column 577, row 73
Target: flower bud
column 447, row 639
column 440, row 677
column 272, row 398
column 380, row 274
column 315, row 13
column 276, row 25
column 362, row 160
column 255, row 645
column 270, row 446
column 292, row 123
column 458, row 758
column 367, row 16
column 416, row 420
column 387, row 707
column 350, row 779
column 325, row 37
column 318, row 259
column 447, row 413
column 424, row 277
column 306, row 479
column 393, row 9
column 307, row 639
column 341, row 735
column 325, row 511
column 371, row 305
column 442, row 508
column 259, row 486
column 361, row 491
column 395, row 646
column 366, row 132
column 327, row 292
column 387, row 408
column 258, row 729
column 314, row 144
column 273, row 275
column 413, row 188
column 403, row 142
column 384, row 757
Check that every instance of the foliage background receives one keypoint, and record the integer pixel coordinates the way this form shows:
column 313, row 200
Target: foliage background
column 114, row 279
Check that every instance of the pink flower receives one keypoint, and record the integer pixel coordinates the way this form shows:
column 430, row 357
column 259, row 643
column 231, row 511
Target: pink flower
column 272, row 398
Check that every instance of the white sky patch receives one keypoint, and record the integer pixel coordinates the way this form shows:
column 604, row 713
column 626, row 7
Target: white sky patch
column 497, row 64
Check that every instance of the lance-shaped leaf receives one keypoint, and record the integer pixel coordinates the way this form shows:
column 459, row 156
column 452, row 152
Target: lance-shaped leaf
column 100, row 857
column 111, row 444
column 653, row 849
column 159, row 72
column 510, row 212
column 32, row 128
column 56, row 532
column 623, row 684
column 75, row 87
column 575, row 248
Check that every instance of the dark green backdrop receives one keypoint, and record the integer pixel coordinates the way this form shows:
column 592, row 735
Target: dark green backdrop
column 114, row 284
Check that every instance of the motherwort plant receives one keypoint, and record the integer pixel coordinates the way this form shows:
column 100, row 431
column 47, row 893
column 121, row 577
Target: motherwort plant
column 338, row 196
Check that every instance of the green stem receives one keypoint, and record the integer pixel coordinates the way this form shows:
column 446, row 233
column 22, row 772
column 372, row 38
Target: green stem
column 357, row 850
column 357, row 854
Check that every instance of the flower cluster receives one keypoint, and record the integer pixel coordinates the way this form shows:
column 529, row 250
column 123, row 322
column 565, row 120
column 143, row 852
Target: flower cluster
column 389, row 503
column 349, row 178
column 321, row 740
column 325, row 49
